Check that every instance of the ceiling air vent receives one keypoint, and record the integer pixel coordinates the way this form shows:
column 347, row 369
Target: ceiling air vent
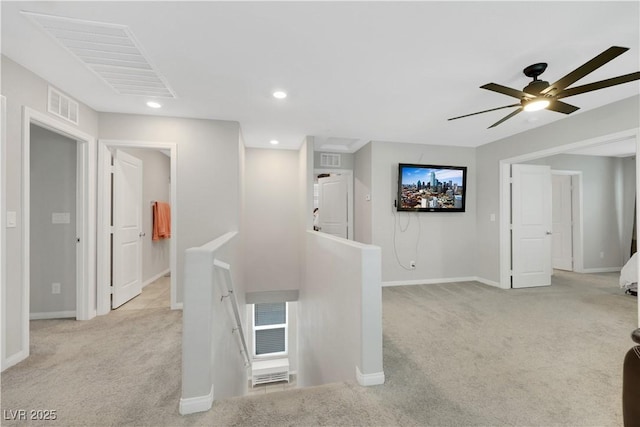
column 62, row 106
column 330, row 160
column 109, row 50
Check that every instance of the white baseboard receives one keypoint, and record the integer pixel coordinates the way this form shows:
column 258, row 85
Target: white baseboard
column 600, row 270
column 191, row 405
column 429, row 281
column 156, row 277
column 445, row 280
column 489, row 282
column 53, row 315
column 15, row 359
column 367, row 380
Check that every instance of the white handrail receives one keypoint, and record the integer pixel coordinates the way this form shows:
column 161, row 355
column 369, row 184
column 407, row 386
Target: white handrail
column 227, row 292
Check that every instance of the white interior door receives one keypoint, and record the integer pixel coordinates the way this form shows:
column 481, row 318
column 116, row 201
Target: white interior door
column 333, row 215
column 562, row 238
column 531, row 225
column 127, row 228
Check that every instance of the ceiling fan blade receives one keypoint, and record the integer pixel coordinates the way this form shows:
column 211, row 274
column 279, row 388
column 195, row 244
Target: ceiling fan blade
column 562, row 107
column 505, row 118
column 599, row 85
column 584, row 69
column 506, row 91
column 485, row 111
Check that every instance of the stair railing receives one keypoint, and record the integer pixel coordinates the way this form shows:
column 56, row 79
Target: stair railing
column 226, row 288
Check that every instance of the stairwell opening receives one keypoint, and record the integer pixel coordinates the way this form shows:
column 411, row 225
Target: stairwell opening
column 272, row 342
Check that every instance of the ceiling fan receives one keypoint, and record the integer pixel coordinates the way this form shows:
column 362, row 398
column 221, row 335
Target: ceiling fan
column 539, row 94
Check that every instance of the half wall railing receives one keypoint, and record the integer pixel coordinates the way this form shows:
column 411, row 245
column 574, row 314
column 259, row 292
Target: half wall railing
column 215, row 359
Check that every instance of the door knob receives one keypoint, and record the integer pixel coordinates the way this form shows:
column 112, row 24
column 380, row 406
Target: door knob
column 548, row 233
column 143, row 234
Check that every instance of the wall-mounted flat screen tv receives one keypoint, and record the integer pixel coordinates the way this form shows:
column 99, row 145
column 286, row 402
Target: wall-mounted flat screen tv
column 431, row 188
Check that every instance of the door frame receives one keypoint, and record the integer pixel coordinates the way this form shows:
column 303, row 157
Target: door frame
column 577, row 229
column 103, row 302
column 505, row 191
column 85, row 220
column 349, row 173
column 3, row 235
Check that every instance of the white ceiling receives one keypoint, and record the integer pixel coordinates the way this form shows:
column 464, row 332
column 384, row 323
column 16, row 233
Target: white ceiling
column 354, row 72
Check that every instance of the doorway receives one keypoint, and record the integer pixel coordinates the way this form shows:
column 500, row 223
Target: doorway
column 333, row 202
column 55, row 225
column 506, row 254
column 106, row 151
column 566, row 238
column 85, row 214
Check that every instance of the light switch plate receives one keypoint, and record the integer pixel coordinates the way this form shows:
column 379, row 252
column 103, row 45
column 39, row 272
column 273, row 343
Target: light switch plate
column 60, row 218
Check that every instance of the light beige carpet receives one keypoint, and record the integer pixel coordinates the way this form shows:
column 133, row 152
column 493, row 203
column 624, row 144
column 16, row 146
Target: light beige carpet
column 454, row 354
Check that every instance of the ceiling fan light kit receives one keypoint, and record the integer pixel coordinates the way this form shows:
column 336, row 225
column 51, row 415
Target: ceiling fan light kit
column 540, row 95
column 536, row 104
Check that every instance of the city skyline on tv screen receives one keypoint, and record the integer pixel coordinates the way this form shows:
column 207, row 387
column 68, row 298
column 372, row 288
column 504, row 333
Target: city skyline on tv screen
column 430, row 188
column 411, row 175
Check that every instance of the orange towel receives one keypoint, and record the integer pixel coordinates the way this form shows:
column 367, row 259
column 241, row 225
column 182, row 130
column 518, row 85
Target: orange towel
column 161, row 221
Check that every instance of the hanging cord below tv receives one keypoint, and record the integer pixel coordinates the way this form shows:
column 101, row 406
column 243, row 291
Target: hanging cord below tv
column 395, row 226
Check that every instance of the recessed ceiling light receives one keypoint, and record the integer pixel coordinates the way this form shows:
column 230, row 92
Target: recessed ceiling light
column 279, row 94
column 274, row 142
column 154, row 104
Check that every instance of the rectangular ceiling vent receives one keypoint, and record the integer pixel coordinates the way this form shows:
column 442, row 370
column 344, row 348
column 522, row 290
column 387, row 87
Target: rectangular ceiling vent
column 109, row 50
column 330, row 160
column 62, row 106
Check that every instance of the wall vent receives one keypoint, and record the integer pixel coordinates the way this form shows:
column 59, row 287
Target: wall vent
column 109, row 50
column 330, row 160
column 268, row 371
column 62, row 106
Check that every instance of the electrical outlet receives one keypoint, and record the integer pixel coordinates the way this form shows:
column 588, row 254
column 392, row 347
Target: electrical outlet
column 55, row 288
column 601, row 254
column 412, row 264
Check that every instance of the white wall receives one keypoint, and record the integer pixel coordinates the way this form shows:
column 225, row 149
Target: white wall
column 271, row 238
column 208, row 169
column 602, row 202
column 213, row 367
column 238, row 254
column 305, row 189
column 156, row 186
column 443, row 245
column 339, row 312
column 53, row 246
column 23, row 88
column 617, row 117
column 304, row 223
column 272, row 253
column 361, row 189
